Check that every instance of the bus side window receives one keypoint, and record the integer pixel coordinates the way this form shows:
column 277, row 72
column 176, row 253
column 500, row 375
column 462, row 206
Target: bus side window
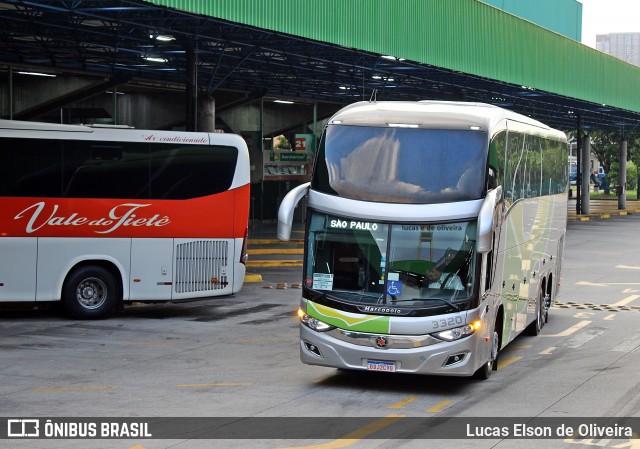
column 31, row 170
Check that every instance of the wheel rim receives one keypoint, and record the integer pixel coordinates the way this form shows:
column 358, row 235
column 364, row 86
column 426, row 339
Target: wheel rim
column 91, row 293
column 494, row 346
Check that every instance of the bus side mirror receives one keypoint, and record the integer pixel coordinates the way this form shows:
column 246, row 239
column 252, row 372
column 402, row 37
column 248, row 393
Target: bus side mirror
column 485, row 220
column 285, row 212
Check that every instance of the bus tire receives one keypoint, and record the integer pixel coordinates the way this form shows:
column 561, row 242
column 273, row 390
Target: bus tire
column 536, row 325
column 90, row 292
column 484, row 371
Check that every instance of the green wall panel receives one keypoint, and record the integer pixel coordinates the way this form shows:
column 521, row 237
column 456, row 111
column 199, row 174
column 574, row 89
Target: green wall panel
column 561, row 16
column 463, row 35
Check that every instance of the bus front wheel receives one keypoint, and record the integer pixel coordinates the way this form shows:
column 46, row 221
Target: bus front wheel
column 90, row 292
column 484, row 371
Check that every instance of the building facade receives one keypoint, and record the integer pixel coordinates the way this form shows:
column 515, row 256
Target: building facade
column 625, row 46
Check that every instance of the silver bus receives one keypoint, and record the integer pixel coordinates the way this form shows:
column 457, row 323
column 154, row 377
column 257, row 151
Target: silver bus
column 434, row 236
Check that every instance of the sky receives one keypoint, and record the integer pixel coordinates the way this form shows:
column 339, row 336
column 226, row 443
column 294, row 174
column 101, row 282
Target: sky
column 608, row 16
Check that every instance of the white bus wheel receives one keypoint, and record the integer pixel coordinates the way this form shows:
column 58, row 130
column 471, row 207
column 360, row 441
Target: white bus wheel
column 90, row 292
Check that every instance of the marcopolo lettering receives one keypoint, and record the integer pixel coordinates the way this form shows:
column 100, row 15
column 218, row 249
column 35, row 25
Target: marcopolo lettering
column 387, row 310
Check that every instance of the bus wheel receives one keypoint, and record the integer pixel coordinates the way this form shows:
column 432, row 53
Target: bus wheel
column 484, row 371
column 90, row 293
column 535, row 326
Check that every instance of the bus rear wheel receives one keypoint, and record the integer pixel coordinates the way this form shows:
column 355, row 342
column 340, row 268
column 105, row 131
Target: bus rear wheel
column 536, row 326
column 90, row 292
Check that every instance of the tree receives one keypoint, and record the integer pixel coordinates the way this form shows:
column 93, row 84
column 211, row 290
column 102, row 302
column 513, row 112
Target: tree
column 605, row 146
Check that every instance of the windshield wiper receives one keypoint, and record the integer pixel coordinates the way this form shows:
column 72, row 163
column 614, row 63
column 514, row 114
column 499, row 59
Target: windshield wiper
column 449, row 303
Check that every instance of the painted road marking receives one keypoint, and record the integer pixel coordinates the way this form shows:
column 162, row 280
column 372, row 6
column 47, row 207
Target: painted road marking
column 322, row 379
column 260, row 341
column 41, row 390
column 627, row 267
column 221, row 384
column 606, row 284
column 628, row 345
column 610, row 317
column 582, row 338
column 503, row 363
column 626, row 301
column 522, row 346
column 403, row 403
column 548, row 351
column 271, row 251
column 572, row 330
column 592, row 284
column 439, row 408
column 153, row 343
column 355, row 436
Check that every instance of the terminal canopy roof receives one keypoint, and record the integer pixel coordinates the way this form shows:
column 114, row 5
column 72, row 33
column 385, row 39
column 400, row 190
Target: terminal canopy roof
column 334, row 51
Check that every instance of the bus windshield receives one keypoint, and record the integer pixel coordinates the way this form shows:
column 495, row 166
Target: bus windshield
column 401, row 165
column 363, row 262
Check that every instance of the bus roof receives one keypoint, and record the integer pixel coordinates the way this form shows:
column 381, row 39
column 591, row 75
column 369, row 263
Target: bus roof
column 428, row 114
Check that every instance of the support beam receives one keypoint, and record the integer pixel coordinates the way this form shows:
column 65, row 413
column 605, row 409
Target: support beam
column 585, row 169
column 578, row 169
column 622, row 176
column 206, row 114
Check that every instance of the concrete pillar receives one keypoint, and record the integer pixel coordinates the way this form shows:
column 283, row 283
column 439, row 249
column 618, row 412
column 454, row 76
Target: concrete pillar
column 586, row 172
column 622, row 176
column 206, row 114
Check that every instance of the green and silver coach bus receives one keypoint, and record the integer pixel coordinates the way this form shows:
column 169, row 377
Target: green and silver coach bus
column 434, row 236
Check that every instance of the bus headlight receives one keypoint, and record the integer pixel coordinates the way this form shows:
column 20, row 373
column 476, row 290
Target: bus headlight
column 458, row 332
column 314, row 323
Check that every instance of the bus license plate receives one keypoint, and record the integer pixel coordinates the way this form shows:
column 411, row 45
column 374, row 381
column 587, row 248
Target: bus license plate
column 380, row 365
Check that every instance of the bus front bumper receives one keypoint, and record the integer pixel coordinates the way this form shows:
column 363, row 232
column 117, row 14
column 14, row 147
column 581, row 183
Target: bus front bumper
column 455, row 358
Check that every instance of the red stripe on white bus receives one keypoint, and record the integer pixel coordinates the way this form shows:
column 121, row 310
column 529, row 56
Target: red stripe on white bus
column 223, row 215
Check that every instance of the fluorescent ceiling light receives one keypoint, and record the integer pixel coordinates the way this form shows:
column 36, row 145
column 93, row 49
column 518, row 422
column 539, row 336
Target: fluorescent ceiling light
column 283, row 101
column 154, row 59
column 162, row 37
column 37, row 74
column 392, row 58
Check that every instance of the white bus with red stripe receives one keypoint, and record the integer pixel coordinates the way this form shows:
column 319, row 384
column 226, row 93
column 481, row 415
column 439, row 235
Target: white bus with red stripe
column 96, row 217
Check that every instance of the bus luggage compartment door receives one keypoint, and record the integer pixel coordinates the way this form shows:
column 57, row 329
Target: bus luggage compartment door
column 18, row 268
column 151, row 269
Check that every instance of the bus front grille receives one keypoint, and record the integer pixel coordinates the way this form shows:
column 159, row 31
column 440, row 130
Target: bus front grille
column 201, row 266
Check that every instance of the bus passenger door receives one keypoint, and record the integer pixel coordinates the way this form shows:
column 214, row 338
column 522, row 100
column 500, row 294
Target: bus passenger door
column 151, row 269
column 18, row 268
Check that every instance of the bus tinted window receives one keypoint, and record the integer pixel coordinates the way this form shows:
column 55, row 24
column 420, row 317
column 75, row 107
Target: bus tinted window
column 93, row 169
column 30, row 167
column 106, row 169
column 401, row 165
column 187, row 171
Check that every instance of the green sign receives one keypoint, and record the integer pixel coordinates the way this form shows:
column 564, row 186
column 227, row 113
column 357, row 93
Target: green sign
column 288, row 156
